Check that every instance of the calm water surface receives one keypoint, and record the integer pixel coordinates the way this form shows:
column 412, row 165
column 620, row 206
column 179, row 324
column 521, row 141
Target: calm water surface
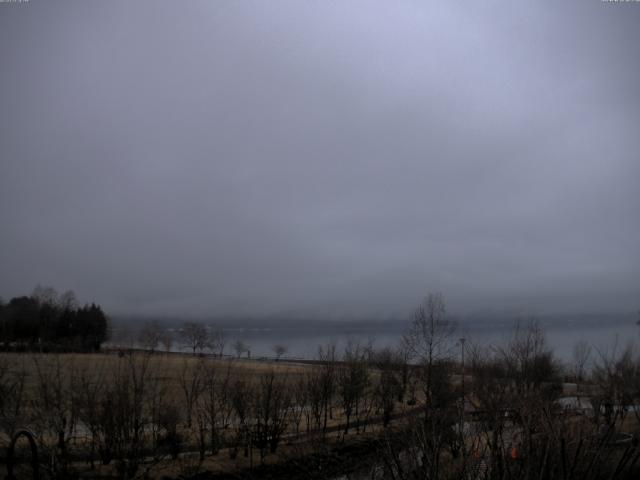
column 302, row 341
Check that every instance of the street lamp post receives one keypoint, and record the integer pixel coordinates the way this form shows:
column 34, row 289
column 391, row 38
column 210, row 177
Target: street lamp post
column 462, row 443
column 462, row 340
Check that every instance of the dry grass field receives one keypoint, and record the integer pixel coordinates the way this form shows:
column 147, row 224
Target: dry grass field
column 167, row 369
column 176, row 398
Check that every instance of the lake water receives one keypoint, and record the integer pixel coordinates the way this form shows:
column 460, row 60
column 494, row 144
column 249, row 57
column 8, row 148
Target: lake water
column 302, row 339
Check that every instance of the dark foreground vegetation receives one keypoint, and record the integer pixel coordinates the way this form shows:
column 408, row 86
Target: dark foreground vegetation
column 436, row 407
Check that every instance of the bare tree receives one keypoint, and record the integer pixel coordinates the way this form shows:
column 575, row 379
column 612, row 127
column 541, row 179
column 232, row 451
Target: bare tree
column 150, row 335
column 271, row 407
column 279, row 351
column 388, row 387
column 240, row 347
column 215, row 403
column 90, row 391
column 127, row 410
column 580, row 359
column 194, row 336
column 530, row 362
column 13, row 376
column 300, row 400
column 216, row 341
column 617, row 374
column 55, row 408
column 353, row 379
column 68, row 301
column 241, row 394
column 315, row 399
column 429, row 341
column 327, row 380
column 191, row 383
column 169, row 420
column 533, row 382
column 45, row 295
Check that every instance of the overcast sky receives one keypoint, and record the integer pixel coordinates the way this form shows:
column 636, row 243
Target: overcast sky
column 322, row 158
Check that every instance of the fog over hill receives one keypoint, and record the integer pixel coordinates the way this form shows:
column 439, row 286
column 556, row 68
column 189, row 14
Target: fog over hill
column 315, row 160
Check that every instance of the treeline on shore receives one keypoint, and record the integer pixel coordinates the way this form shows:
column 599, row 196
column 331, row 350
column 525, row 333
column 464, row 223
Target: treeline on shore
column 47, row 321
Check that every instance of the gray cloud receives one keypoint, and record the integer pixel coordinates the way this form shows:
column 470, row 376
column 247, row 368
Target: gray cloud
column 326, row 158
